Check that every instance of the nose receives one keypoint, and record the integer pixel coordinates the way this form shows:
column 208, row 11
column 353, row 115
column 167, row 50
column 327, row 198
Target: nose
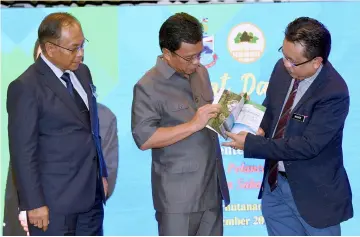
column 287, row 64
column 80, row 52
column 196, row 61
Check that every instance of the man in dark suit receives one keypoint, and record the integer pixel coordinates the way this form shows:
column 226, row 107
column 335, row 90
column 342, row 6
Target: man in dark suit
column 305, row 189
column 108, row 134
column 110, row 148
column 54, row 139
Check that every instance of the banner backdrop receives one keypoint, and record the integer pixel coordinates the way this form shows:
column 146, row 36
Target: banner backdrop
column 241, row 47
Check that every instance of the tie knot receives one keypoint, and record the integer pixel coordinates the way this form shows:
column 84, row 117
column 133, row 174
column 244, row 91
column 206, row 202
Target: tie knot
column 296, row 84
column 66, row 77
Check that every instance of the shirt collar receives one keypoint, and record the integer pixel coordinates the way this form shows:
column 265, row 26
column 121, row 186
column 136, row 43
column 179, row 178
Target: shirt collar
column 313, row 77
column 164, row 68
column 58, row 72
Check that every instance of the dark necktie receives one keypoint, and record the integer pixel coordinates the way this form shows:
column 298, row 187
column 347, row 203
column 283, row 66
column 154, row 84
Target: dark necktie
column 279, row 133
column 74, row 94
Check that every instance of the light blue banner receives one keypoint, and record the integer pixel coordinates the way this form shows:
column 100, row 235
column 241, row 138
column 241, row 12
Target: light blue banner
column 123, row 45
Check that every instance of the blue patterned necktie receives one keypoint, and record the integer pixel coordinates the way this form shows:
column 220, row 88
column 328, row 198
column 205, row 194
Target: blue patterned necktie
column 73, row 92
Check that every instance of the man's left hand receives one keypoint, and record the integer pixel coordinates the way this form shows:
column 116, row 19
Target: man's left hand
column 238, row 140
column 106, row 186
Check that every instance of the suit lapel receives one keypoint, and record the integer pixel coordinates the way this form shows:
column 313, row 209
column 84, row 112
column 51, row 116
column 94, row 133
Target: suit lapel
column 282, row 87
column 53, row 82
column 86, row 85
column 319, row 80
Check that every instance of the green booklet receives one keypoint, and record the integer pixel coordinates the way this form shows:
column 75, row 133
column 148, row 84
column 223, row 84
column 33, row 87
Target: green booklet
column 237, row 114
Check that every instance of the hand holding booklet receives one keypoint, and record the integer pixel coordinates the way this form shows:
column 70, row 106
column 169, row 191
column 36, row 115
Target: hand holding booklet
column 237, row 114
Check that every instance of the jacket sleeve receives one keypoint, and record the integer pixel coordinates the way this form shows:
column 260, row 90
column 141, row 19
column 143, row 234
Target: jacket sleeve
column 23, row 134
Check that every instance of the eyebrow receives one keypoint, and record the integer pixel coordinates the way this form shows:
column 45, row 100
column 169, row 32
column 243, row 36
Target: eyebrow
column 289, row 58
column 192, row 55
column 78, row 44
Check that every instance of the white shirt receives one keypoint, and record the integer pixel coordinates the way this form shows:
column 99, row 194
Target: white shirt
column 76, row 83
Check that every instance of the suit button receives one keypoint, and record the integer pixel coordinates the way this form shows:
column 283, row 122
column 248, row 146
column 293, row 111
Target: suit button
column 197, row 99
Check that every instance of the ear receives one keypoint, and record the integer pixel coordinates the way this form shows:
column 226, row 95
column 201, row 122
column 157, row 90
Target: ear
column 317, row 62
column 167, row 54
column 50, row 49
column 38, row 52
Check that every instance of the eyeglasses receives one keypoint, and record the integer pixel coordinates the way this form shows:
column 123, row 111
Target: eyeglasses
column 191, row 59
column 291, row 63
column 75, row 50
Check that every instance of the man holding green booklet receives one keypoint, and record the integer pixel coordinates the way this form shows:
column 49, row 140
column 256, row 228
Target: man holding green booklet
column 305, row 189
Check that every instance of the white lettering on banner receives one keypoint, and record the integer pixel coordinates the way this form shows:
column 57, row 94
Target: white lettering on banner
column 250, row 84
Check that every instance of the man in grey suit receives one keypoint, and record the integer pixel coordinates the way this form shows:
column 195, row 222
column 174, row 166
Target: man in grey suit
column 171, row 107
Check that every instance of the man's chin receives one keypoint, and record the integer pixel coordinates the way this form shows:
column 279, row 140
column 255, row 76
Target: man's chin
column 191, row 71
column 74, row 66
column 292, row 75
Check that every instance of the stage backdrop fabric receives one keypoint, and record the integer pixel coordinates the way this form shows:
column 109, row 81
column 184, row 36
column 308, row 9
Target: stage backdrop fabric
column 241, row 47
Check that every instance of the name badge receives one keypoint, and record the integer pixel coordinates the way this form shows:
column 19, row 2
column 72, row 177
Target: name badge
column 299, row 117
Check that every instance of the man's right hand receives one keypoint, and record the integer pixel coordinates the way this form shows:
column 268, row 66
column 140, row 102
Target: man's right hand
column 39, row 217
column 203, row 114
column 260, row 132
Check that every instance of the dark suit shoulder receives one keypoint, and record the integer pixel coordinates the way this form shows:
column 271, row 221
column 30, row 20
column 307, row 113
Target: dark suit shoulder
column 83, row 68
column 279, row 69
column 24, row 85
column 279, row 62
column 335, row 80
column 29, row 76
column 278, row 75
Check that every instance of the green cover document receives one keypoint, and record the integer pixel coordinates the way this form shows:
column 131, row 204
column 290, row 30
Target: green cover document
column 236, row 114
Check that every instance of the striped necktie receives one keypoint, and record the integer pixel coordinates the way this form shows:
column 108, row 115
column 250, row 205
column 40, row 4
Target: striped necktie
column 279, row 133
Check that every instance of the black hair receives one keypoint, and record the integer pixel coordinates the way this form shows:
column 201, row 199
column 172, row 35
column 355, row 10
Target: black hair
column 179, row 28
column 312, row 34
